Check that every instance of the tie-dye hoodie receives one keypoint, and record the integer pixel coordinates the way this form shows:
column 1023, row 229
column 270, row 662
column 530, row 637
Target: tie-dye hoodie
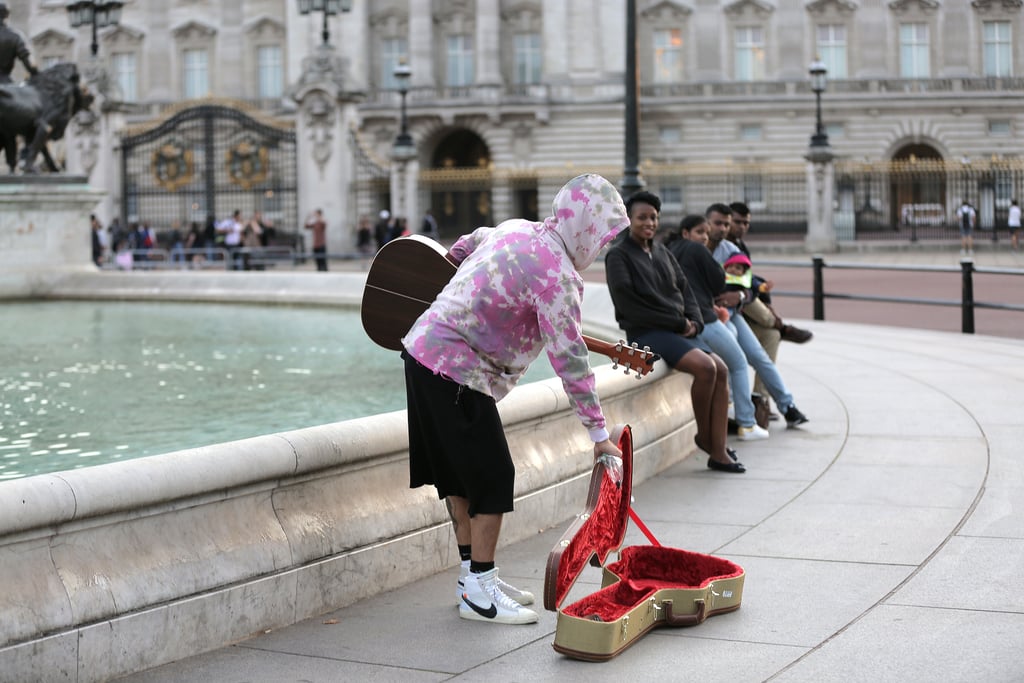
column 517, row 291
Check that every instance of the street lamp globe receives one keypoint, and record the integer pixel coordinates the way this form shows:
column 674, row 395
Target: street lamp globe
column 108, row 13
column 819, row 75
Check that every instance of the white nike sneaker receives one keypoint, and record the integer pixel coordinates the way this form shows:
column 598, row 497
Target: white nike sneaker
column 482, row 600
column 520, row 596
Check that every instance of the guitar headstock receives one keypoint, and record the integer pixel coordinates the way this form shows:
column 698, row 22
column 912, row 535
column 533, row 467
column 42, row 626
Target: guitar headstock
column 633, row 358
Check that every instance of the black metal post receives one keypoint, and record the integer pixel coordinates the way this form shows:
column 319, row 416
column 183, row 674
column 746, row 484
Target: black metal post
column 967, row 296
column 325, row 33
column 95, row 47
column 819, row 288
column 631, row 181
column 820, row 137
column 404, row 139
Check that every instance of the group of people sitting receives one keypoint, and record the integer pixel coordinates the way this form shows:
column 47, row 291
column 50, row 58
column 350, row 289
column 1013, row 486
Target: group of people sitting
column 688, row 293
column 517, row 292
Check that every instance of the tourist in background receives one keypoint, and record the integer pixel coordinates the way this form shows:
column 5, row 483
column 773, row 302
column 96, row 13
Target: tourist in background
column 316, row 223
column 1013, row 222
column 966, row 216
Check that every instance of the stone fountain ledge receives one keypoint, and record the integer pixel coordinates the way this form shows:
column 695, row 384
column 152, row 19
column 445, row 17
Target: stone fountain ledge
column 121, row 567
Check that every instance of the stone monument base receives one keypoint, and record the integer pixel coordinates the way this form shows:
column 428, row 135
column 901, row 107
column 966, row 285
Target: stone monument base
column 44, row 231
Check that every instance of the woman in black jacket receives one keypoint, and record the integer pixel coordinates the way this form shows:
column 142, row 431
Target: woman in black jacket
column 655, row 307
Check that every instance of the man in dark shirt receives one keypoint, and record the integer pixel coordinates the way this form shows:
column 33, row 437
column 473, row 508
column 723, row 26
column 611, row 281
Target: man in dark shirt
column 11, row 47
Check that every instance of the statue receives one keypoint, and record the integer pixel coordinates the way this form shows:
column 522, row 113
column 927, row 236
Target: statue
column 11, row 47
column 39, row 110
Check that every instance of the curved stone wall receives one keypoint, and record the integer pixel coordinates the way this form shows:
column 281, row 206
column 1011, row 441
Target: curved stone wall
column 121, row 567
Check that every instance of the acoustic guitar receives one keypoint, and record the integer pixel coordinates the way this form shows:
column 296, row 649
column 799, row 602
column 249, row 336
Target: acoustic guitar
column 406, row 276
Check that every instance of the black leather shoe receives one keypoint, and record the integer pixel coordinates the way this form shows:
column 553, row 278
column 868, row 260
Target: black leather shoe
column 734, row 467
column 795, row 334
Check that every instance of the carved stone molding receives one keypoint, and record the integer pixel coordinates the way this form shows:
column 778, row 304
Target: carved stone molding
column 265, row 26
column 759, row 8
column 194, row 30
column 903, row 6
column 984, row 6
column 323, row 68
column 820, row 7
column 320, row 115
column 666, row 10
column 51, row 38
column 85, row 127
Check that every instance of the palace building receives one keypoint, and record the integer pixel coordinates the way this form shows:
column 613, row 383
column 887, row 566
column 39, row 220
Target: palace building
column 213, row 105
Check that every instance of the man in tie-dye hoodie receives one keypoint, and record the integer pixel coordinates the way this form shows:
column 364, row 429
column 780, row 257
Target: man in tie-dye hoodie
column 517, row 292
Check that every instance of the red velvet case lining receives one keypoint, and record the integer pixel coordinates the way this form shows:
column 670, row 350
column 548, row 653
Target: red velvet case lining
column 646, row 569
column 605, row 528
column 642, row 570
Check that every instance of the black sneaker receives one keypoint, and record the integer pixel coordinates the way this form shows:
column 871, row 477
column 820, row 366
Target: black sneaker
column 794, row 417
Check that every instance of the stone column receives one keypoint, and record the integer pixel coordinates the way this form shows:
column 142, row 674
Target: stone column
column 488, row 42
column 405, row 170
column 326, row 111
column 821, row 233
column 421, row 41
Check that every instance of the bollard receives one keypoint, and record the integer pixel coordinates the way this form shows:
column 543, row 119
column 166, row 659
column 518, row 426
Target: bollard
column 819, row 287
column 967, row 296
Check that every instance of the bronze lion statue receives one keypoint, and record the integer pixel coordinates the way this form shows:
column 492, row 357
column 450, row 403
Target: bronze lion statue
column 38, row 111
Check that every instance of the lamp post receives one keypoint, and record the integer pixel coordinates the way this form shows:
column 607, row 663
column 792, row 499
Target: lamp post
column 402, row 74
column 98, row 13
column 631, row 180
column 819, row 78
column 328, row 7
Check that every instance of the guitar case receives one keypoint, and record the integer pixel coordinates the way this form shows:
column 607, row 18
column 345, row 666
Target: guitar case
column 648, row 586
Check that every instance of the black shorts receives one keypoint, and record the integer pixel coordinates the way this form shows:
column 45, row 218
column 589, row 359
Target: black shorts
column 457, row 442
column 669, row 345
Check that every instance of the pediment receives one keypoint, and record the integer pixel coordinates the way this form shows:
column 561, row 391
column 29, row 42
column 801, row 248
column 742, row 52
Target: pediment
column 192, row 30
column 454, row 9
column 666, row 10
column 758, row 8
column 123, row 35
column 910, row 5
column 818, row 7
column 265, row 25
column 52, row 38
column 387, row 17
column 514, row 10
column 990, row 5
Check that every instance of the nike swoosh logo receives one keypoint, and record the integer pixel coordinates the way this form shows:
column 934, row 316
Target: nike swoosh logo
column 488, row 613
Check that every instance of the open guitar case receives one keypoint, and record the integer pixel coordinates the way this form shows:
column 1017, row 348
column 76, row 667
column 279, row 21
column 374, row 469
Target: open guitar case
column 649, row 586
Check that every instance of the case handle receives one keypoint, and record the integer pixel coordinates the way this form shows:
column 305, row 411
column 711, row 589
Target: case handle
column 686, row 619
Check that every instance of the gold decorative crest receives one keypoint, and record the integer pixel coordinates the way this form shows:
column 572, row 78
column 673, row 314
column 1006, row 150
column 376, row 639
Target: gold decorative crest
column 172, row 165
column 248, row 163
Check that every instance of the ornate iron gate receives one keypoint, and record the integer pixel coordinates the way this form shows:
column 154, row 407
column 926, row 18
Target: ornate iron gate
column 209, row 160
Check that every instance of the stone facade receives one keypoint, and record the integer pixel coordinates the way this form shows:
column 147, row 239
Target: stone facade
column 509, row 97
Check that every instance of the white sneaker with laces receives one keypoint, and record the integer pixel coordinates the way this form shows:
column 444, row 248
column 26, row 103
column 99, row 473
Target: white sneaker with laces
column 520, row 596
column 482, row 600
column 753, row 433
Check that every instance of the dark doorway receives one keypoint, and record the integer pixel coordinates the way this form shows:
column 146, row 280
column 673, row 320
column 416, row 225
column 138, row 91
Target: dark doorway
column 460, row 180
column 918, row 186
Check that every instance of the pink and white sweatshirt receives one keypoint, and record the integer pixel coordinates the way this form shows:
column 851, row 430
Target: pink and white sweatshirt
column 517, row 291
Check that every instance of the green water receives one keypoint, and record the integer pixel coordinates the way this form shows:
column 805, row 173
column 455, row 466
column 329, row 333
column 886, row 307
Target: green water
column 84, row 383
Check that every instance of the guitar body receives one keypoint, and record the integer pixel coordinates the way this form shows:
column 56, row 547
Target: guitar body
column 404, row 278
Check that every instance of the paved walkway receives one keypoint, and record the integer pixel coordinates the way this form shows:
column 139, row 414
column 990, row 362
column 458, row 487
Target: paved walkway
column 883, row 541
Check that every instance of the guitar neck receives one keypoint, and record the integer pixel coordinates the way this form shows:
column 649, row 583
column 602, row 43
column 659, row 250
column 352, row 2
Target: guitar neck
column 599, row 346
